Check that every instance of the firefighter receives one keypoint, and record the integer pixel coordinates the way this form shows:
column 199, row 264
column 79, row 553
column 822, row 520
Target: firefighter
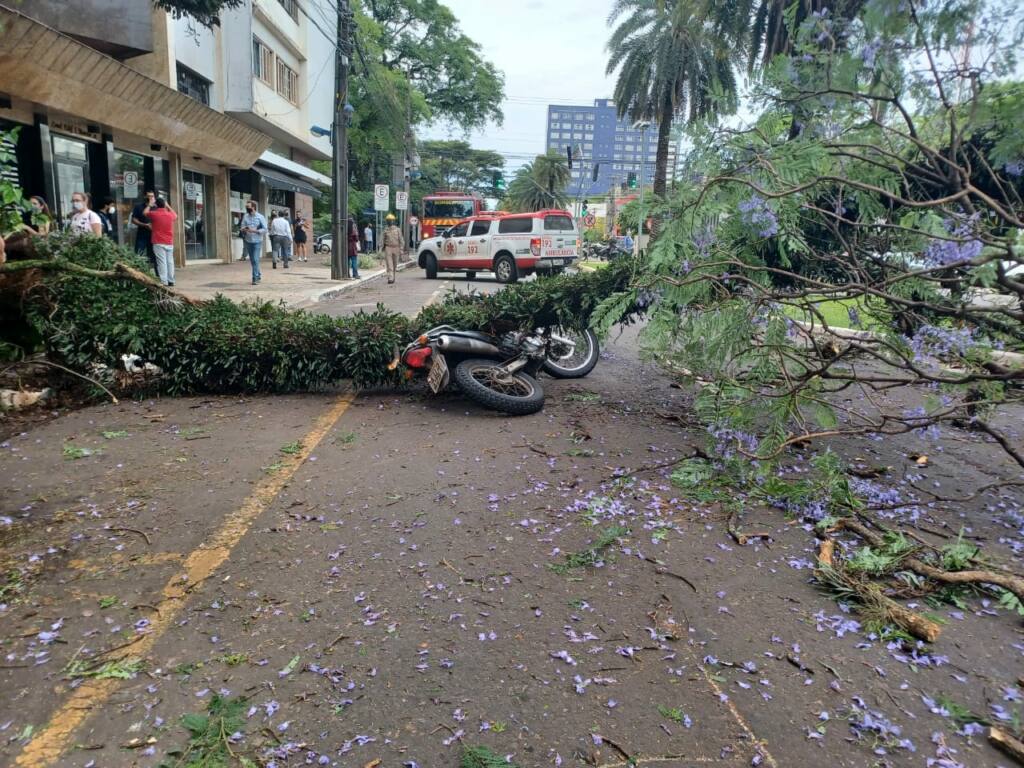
column 392, row 246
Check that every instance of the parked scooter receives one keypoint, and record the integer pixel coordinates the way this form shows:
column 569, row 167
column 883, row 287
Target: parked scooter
column 499, row 372
column 323, row 244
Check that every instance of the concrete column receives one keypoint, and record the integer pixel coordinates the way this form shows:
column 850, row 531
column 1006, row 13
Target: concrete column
column 177, row 203
column 221, row 224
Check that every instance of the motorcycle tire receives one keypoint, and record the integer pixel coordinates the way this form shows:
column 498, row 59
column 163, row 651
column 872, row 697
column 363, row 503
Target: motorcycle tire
column 523, row 397
column 579, row 365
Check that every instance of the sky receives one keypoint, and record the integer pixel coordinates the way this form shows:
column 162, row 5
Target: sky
column 550, row 52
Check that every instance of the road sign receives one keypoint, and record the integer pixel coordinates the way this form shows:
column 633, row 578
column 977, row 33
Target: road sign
column 191, row 190
column 401, row 201
column 589, row 220
column 381, row 197
column 131, row 184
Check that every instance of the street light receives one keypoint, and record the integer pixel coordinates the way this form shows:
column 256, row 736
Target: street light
column 642, row 126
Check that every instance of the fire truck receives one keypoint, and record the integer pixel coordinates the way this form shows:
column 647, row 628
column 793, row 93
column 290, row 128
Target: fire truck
column 445, row 209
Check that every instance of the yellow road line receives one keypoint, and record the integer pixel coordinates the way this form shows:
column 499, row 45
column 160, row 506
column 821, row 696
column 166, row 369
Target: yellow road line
column 47, row 746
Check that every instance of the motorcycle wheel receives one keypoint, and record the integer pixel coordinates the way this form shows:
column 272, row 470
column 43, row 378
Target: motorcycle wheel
column 565, row 363
column 517, row 394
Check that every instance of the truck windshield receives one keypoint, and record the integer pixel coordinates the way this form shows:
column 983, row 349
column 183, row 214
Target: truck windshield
column 447, row 209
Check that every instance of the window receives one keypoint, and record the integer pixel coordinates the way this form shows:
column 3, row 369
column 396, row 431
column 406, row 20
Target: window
column 193, row 85
column 588, row 146
column 566, row 126
column 287, row 82
column 480, row 228
column 446, row 208
column 628, row 147
column 557, row 223
column 554, row 115
column 589, row 136
column 581, row 116
column 515, row 226
column 459, row 230
column 292, row 6
column 262, row 62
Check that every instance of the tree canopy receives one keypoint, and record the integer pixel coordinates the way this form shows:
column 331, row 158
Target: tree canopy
column 540, row 184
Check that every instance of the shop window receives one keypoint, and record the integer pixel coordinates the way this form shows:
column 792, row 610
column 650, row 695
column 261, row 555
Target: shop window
column 287, row 82
column 193, row 85
column 262, row 62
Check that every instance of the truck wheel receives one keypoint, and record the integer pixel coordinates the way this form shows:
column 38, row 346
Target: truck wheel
column 430, row 264
column 505, row 269
column 471, row 275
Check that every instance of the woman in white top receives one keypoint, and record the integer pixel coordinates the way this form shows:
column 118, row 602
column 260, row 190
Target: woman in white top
column 83, row 220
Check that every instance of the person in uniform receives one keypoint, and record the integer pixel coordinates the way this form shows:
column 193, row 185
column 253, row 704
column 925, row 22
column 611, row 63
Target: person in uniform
column 392, row 246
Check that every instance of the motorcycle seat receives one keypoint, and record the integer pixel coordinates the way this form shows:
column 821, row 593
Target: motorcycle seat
column 478, row 335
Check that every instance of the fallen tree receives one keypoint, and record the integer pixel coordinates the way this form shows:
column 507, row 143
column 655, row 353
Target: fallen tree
column 88, row 302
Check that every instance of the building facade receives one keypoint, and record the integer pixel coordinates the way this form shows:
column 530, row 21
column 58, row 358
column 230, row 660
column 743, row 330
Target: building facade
column 611, row 143
column 114, row 98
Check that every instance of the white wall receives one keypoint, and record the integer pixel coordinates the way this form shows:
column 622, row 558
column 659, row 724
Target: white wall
column 197, row 48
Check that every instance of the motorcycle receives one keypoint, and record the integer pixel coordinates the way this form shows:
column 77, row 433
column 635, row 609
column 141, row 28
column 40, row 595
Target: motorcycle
column 322, row 244
column 499, row 372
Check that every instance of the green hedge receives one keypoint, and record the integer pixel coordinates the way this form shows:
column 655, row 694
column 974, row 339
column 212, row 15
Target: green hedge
column 221, row 346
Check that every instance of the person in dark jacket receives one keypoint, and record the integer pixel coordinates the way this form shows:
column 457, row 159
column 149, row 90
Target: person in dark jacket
column 353, row 248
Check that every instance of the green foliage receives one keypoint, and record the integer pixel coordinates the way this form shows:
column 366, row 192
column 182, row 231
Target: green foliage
column 882, row 560
column 206, row 12
column 675, row 714
column 482, row 757
column 11, row 203
column 1011, row 602
column 593, row 554
column 208, row 745
column 123, row 669
column 455, row 165
column 220, row 346
column 957, row 555
column 540, row 184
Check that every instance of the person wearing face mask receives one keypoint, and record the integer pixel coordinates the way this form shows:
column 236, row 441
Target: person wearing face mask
column 108, row 216
column 253, row 228
column 36, row 220
column 84, row 221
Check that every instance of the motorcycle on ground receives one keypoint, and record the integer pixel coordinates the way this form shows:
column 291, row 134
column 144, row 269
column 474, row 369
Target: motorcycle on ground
column 499, row 372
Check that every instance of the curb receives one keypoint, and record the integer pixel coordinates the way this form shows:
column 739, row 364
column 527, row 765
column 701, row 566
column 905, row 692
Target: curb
column 338, row 290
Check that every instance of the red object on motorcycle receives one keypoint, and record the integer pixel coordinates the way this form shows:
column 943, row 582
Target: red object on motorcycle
column 535, row 247
column 417, row 358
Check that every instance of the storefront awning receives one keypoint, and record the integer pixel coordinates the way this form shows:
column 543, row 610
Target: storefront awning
column 45, row 67
column 294, row 169
column 277, row 180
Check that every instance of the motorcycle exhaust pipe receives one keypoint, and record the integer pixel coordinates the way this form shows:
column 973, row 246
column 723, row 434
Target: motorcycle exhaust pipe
column 464, row 346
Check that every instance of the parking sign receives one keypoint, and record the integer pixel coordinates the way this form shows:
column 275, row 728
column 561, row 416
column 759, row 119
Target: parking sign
column 401, row 201
column 381, row 197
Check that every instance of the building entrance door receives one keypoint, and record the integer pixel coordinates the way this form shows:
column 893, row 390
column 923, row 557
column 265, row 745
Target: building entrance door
column 71, row 172
column 198, row 216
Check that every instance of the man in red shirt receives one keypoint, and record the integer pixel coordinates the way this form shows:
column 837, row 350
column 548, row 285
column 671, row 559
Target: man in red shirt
column 161, row 219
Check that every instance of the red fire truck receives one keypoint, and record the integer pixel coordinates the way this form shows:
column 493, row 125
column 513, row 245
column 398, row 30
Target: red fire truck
column 445, row 209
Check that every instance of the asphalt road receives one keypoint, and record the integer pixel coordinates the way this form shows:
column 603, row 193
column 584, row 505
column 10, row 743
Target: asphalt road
column 410, row 291
column 391, row 576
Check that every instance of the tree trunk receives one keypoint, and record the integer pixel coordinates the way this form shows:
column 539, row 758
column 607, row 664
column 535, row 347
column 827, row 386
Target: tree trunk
column 661, row 161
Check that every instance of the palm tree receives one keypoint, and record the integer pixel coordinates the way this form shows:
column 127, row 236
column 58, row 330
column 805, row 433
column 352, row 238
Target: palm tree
column 666, row 70
column 540, row 184
column 758, row 29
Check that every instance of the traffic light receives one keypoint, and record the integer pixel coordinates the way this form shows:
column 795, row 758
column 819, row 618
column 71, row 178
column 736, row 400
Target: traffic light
column 632, row 180
column 498, row 180
column 597, row 171
column 585, row 204
column 568, row 154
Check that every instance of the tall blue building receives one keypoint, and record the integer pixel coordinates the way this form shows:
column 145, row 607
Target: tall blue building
column 613, row 144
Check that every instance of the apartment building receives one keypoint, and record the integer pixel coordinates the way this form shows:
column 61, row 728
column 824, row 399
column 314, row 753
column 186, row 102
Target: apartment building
column 613, row 144
column 114, row 97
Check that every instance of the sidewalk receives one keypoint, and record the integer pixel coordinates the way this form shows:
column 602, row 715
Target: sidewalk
column 301, row 285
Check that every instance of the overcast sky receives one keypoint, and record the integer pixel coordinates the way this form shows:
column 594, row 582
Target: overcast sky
column 550, row 51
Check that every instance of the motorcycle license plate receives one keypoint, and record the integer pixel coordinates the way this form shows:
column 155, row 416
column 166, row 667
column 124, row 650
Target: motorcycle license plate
column 438, row 373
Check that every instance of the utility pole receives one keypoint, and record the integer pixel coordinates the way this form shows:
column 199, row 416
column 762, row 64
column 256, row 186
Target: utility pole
column 407, row 170
column 339, row 136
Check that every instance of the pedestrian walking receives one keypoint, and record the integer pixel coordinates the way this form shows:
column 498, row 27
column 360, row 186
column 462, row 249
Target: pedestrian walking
column 161, row 219
column 281, row 239
column 36, row 220
column 84, row 220
column 392, row 246
column 353, row 248
column 301, row 236
column 368, row 238
column 254, row 227
column 143, row 242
